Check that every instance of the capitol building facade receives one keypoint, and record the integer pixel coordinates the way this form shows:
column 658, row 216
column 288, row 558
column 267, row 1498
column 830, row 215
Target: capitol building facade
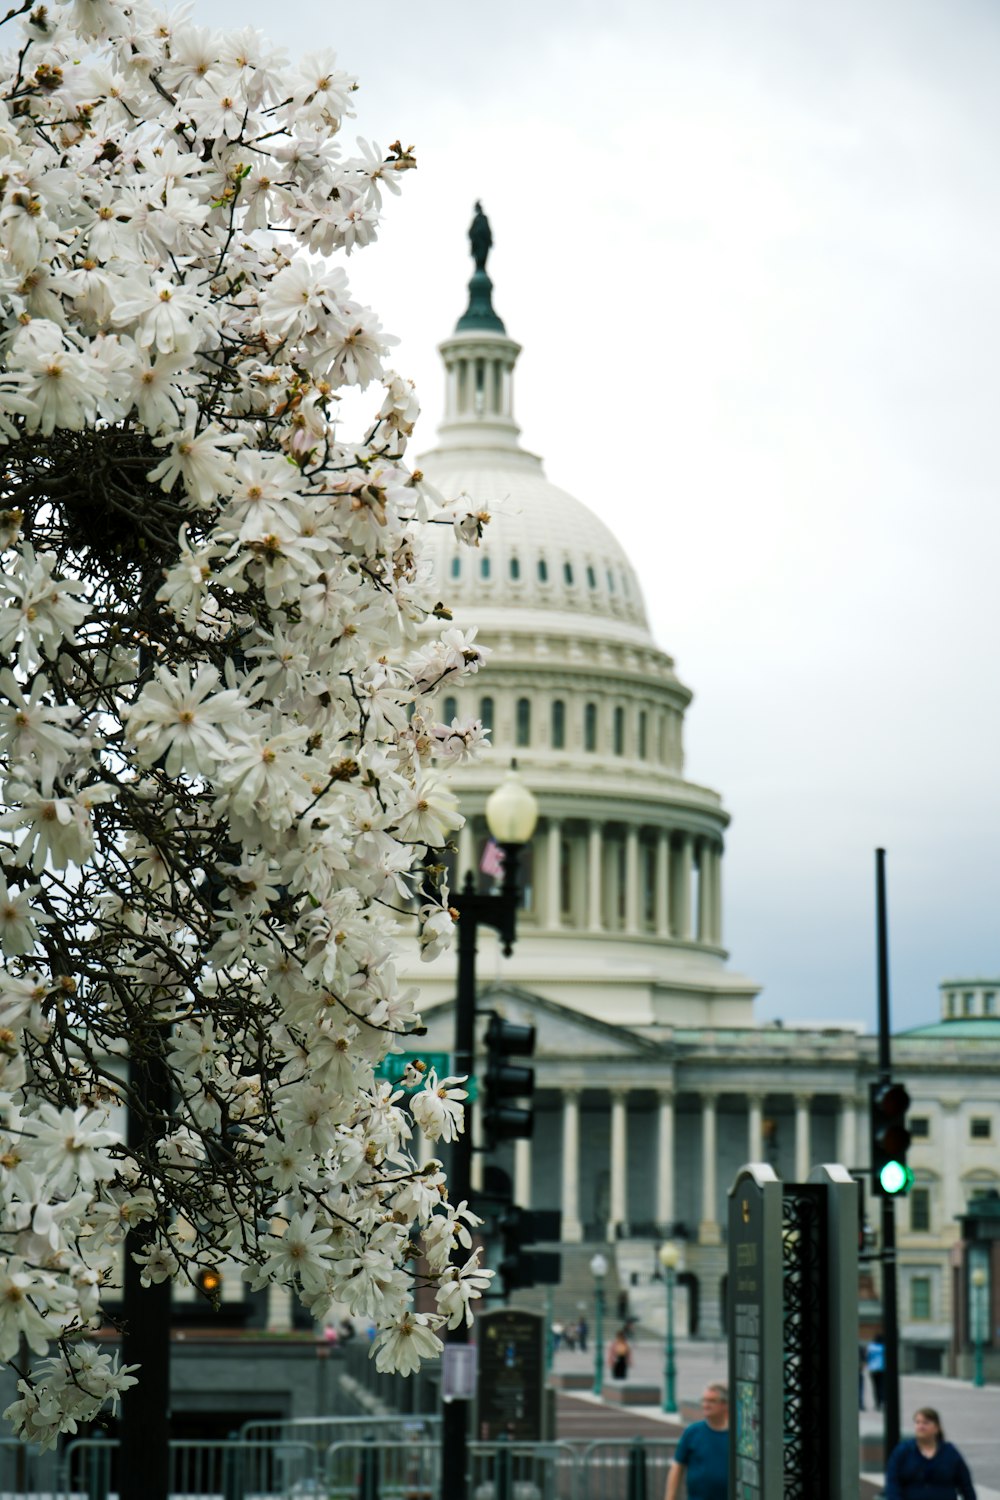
column 654, row 1084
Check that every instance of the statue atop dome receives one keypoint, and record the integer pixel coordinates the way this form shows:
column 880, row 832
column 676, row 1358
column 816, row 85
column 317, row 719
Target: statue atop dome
column 479, row 316
column 480, row 237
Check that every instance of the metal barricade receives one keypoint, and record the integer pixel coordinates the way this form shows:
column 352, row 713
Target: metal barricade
column 625, row 1468
column 377, row 1470
column 226, row 1470
column 24, row 1471
column 523, row 1471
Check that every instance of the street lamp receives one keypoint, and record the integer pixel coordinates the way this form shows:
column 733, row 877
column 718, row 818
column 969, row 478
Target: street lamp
column 511, row 815
column 669, row 1256
column 978, row 1279
column 598, row 1269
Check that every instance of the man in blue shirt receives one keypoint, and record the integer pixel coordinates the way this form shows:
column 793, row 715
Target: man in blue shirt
column 702, row 1456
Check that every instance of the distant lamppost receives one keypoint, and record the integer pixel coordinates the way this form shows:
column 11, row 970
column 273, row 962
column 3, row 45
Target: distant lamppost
column 978, row 1279
column 598, row 1269
column 669, row 1256
column 511, row 816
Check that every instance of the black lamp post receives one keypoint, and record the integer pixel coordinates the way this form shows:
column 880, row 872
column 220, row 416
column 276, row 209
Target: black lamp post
column 511, row 815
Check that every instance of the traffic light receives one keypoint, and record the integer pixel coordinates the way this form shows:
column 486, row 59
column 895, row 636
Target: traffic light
column 519, row 1267
column 504, row 1081
column 890, row 1139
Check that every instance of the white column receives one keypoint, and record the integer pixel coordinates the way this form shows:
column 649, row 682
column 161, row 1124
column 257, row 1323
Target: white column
column 478, row 1162
column 703, row 927
column 554, row 884
column 847, row 1143
column 466, row 853
column 708, row 1229
column 595, row 843
column 522, row 1173
column 665, row 1210
column 717, row 894
column 952, row 1156
column 279, row 1309
column 755, row 1127
column 619, row 1163
column 572, row 1229
column 803, row 1149
column 662, row 884
column 631, row 878
column 681, row 893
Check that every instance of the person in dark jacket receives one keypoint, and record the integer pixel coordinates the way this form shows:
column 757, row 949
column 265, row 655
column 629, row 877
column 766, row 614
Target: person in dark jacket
column 925, row 1467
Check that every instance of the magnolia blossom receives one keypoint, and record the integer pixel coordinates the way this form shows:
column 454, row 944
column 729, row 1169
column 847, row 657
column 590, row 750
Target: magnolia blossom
column 222, row 778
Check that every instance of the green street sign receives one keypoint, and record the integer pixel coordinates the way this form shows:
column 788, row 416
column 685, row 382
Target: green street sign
column 394, row 1064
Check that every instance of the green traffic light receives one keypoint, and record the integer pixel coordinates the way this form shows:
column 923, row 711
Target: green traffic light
column 895, row 1177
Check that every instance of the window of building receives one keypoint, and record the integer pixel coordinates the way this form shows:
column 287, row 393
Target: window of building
column 524, row 721
column 952, row 1005
column 486, row 714
column 625, row 584
column 484, row 567
column 920, row 1298
column 643, row 734
column 456, row 567
column 990, row 1003
column 515, row 567
column 619, row 731
column 920, row 1127
column 591, row 577
column 558, row 724
column 568, row 572
column 590, row 726
column 920, row 1210
column 543, row 570
column 450, row 708
column 980, row 1128
column 611, row 582
column 968, row 1003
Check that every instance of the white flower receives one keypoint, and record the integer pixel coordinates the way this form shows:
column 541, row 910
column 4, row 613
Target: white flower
column 406, row 1343
column 19, row 920
column 428, row 813
column 301, row 1250
column 158, row 1263
column 460, row 1287
column 437, row 1108
column 199, row 459
column 31, row 726
column 41, row 611
column 183, row 717
column 74, row 1143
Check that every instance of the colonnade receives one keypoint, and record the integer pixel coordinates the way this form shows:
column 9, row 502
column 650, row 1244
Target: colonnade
column 709, row 1229
column 598, row 876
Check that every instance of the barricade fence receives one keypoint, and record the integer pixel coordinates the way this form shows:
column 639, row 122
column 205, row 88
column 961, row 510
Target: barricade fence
column 299, row 1461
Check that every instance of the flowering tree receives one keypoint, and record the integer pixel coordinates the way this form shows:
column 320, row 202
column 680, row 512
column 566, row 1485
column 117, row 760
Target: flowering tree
column 217, row 743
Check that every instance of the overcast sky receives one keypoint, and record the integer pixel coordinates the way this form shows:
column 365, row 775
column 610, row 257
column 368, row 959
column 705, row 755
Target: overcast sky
column 751, row 250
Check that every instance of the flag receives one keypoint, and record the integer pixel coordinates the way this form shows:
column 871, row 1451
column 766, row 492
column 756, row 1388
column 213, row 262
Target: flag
column 491, row 863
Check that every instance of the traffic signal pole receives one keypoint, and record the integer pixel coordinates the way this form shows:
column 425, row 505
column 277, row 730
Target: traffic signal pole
column 499, row 912
column 890, row 1320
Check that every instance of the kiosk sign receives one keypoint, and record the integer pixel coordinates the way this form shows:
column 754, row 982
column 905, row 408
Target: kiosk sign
column 755, row 1335
column 511, row 1375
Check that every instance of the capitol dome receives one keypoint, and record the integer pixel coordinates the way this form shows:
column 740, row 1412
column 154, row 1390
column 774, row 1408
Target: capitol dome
column 623, row 916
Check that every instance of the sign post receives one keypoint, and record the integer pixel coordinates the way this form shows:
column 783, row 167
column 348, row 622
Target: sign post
column 755, row 1335
column 511, row 1376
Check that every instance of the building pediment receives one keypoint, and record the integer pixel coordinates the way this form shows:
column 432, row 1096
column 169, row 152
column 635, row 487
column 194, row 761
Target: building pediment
column 560, row 1032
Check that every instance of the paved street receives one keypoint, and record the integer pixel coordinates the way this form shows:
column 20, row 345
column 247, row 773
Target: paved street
column 971, row 1418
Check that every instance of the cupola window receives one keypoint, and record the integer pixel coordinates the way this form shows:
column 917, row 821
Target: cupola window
column 524, row 721
column 558, row 724
column 611, row 582
column 543, row 570
column 486, row 714
column 456, row 567
column 619, row 731
column 590, row 726
column 484, row 567
column 515, row 568
column 643, row 734
column 450, row 707
column 591, row 577
column 568, row 573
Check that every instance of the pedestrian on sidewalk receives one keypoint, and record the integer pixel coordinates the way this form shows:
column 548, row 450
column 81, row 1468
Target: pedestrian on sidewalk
column 875, row 1358
column 619, row 1355
column 925, row 1466
column 702, row 1456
